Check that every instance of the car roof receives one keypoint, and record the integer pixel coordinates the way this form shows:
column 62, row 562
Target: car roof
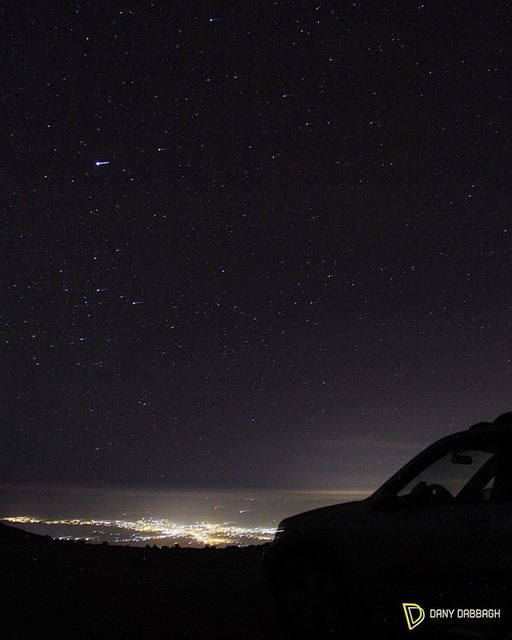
column 501, row 424
column 503, row 421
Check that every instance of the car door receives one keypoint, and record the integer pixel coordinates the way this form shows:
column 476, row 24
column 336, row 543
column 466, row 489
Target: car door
column 430, row 539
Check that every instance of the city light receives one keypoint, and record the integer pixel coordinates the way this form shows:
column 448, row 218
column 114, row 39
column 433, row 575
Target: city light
column 154, row 530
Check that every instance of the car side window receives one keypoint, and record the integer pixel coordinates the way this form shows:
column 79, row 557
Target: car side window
column 456, row 476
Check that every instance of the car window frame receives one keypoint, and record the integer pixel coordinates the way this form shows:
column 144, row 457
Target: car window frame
column 461, row 441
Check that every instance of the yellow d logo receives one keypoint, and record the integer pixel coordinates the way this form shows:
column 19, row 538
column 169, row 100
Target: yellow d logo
column 414, row 614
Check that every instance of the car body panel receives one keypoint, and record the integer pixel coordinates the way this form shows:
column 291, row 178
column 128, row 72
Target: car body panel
column 391, row 549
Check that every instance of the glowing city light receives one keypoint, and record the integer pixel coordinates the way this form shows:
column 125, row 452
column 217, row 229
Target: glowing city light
column 155, row 530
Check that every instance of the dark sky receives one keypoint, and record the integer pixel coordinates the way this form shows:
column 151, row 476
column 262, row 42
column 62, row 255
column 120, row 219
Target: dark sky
column 293, row 268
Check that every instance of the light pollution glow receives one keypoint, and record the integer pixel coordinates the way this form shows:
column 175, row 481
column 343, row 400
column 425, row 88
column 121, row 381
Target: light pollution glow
column 157, row 529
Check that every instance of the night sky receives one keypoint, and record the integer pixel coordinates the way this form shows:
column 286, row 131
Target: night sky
column 251, row 244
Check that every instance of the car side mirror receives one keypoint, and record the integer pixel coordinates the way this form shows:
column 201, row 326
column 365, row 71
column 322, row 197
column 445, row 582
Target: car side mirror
column 387, row 501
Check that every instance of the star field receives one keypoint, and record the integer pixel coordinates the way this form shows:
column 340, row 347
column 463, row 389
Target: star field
column 257, row 245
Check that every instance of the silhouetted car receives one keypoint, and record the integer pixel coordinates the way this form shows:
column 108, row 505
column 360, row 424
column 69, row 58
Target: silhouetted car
column 438, row 533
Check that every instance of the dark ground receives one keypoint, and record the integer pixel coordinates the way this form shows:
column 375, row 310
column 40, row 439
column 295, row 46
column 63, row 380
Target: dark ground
column 53, row 589
column 72, row 590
